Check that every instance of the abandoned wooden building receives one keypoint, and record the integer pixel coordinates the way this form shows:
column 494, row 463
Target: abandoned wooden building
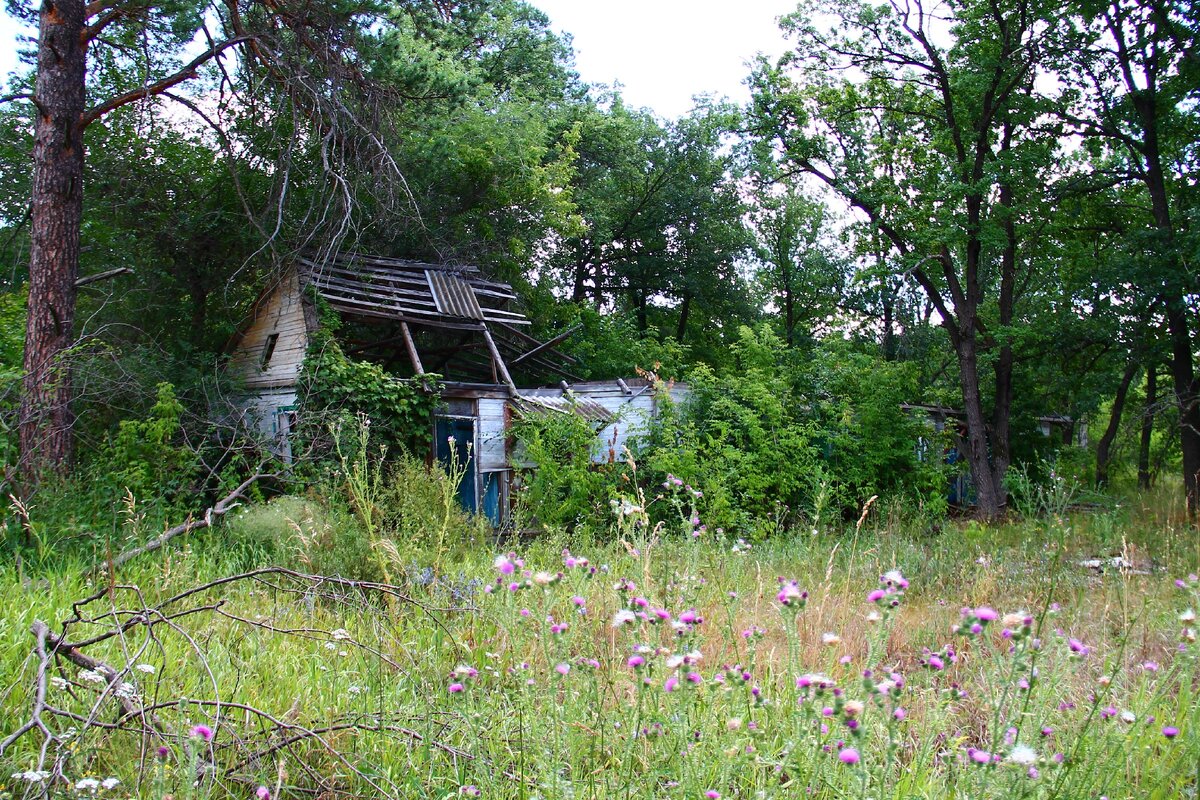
column 416, row 318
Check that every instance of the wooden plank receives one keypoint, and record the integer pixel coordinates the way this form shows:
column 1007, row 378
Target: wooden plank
column 411, row 319
column 369, row 290
column 336, row 293
column 371, row 278
column 413, row 274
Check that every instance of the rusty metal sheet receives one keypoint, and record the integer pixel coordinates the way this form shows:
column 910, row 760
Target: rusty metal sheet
column 454, row 297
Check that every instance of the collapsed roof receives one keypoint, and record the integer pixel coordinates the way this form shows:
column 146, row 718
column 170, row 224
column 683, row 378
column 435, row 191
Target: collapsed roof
column 437, row 296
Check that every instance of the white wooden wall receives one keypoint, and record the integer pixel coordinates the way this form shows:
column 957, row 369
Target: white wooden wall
column 490, row 434
column 282, row 314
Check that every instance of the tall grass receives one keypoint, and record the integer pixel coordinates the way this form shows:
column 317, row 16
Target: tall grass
column 979, row 662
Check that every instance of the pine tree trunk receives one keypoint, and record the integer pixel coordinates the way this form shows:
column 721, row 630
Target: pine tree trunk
column 56, row 212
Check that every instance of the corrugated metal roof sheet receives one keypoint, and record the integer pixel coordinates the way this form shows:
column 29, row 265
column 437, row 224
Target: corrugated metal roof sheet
column 563, row 404
column 454, row 297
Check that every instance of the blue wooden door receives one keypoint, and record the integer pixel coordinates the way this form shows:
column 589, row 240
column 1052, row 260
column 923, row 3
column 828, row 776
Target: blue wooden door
column 462, row 431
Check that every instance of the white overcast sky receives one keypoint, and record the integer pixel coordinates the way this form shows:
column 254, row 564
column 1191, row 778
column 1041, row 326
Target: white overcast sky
column 662, row 52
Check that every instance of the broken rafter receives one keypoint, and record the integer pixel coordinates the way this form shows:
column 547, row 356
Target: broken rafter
column 411, row 346
column 525, row 337
column 547, row 345
column 500, row 365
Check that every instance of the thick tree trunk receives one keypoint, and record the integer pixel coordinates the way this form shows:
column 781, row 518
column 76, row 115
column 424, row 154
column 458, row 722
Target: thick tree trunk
column 684, row 311
column 579, row 287
column 1187, row 396
column 987, row 502
column 1183, row 368
column 1104, row 447
column 1147, row 427
column 56, row 213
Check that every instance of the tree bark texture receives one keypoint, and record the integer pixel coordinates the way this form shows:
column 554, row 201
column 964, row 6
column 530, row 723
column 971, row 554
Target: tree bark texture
column 1147, row 427
column 1104, row 447
column 56, row 211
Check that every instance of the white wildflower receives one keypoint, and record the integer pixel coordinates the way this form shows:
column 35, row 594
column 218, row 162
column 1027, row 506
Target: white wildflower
column 1128, row 717
column 59, row 682
column 1024, row 755
column 126, row 690
column 1188, row 616
column 830, row 639
column 109, row 783
column 340, row 635
column 354, row 690
column 32, row 775
column 93, row 676
column 623, row 616
column 146, row 668
column 87, row 784
column 330, row 646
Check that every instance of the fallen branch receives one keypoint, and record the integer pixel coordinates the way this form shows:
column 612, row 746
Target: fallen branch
column 220, row 509
column 229, row 746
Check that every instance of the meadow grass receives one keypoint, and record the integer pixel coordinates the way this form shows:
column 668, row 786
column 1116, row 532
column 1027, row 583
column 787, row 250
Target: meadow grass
column 881, row 662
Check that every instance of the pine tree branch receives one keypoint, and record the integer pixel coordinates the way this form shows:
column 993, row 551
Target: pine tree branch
column 187, row 72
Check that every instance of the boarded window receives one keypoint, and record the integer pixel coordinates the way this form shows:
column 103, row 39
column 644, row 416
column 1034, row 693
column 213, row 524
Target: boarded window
column 268, row 350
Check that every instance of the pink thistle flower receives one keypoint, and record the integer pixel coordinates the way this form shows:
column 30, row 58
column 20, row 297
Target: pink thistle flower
column 1170, row 731
column 563, row 669
column 713, row 794
column 848, row 755
column 899, row 714
column 694, row 677
column 262, row 793
column 635, row 662
column 202, row 732
column 671, row 685
column 979, row 756
column 455, row 688
column 163, row 751
column 690, row 617
column 986, row 614
column 505, row 565
column 875, row 595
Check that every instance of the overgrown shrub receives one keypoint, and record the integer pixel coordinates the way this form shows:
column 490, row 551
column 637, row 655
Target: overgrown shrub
column 333, row 385
column 561, row 487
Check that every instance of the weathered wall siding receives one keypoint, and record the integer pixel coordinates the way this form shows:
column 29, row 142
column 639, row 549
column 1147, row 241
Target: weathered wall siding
column 491, row 434
column 282, row 313
column 263, row 415
column 633, row 415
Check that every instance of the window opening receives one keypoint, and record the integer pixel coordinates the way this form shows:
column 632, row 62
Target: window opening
column 268, row 350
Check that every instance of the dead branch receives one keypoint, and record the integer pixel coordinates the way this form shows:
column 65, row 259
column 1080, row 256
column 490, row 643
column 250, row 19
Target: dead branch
column 220, row 509
column 233, row 750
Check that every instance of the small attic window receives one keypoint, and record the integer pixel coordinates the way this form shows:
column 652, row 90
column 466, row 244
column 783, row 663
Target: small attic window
column 268, row 350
